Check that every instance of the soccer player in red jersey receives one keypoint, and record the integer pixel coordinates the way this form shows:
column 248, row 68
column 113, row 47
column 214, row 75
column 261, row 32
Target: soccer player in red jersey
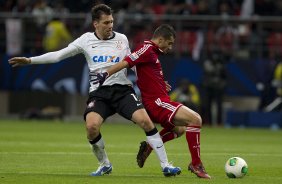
column 174, row 117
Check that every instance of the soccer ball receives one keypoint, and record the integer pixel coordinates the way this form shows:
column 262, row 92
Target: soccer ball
column 236, row 167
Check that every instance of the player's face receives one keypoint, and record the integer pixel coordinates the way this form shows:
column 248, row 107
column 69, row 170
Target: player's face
column 166, row 45
column 104, row 27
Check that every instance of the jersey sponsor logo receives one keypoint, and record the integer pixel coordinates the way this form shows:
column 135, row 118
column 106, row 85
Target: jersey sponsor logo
column 101, row 59
column 133, row 56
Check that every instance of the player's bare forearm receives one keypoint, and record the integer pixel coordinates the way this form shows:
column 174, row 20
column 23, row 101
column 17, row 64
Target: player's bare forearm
column 117, row 67
column 18, row 61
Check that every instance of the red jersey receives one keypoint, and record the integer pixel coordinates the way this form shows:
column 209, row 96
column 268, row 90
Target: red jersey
column 150, row 79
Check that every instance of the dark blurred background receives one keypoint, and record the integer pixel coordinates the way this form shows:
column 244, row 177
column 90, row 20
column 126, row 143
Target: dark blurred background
column 226, row 62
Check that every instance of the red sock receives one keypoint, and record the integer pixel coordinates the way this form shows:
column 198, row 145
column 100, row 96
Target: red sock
column 193, row 140
column 167, row 135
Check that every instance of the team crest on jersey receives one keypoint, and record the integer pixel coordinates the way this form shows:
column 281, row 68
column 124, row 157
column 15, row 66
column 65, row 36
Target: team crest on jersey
column 119, row 45
column 91, row 104
column 133, row 56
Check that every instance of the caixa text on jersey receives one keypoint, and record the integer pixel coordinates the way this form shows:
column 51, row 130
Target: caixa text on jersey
column 100, row 59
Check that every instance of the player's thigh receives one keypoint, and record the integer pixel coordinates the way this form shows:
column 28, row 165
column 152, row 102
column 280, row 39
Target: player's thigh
column 185, row 116
column 162, row 111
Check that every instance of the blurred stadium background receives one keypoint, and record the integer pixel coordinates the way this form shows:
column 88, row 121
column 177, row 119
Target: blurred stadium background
column 244, row 35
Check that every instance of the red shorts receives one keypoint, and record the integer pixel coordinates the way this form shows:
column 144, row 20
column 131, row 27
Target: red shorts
column 162, row 111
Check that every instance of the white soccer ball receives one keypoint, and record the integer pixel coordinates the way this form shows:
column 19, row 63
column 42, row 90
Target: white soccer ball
column 236, row 167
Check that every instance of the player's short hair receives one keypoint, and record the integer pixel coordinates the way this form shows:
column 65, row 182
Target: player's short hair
column 100, row 9
column 165, row 31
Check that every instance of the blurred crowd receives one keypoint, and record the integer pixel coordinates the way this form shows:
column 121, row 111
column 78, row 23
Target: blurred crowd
column 190, row 7
column 200, row 40
column 246, row 39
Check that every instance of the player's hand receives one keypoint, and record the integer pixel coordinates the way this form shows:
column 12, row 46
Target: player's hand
column 18, row 61
column 100, row 78
column 168, row 87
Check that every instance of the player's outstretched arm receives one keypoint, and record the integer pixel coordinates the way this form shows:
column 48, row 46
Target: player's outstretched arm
column 19, row 61
column 101, row 77
column 49, row 57
column 117, row 67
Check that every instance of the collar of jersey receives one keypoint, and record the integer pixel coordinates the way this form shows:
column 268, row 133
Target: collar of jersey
column 154, row 45
column 114, row 34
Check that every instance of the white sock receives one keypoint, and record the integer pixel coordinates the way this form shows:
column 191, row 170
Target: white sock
column 157, row 144
column 99, row 150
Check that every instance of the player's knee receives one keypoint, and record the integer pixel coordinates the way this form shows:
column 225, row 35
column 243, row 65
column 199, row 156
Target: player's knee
column 197, row 120
column 179, row 131
column 141, row 118
column 93, row 124
column 146, row 124
column 92, row 128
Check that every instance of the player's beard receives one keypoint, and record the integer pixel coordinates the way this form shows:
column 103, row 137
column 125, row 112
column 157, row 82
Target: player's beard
column 109, row 33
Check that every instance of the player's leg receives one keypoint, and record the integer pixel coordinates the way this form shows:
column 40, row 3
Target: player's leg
column 166, row 134
column 131, row 108
column 193, row 122
column 141, row 118
column 93, row 123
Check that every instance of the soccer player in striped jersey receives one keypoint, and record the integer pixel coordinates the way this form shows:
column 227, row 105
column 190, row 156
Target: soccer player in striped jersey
column 174, row 117
column 102, row 49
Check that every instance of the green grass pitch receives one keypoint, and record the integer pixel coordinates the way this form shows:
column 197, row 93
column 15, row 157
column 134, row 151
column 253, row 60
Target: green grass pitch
column 50, row 152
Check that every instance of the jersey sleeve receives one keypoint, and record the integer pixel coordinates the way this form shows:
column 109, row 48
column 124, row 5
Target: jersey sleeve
column 73, row 48
column 79, row 42
column 128, row 51
column 53, row 57
column 141, row 55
